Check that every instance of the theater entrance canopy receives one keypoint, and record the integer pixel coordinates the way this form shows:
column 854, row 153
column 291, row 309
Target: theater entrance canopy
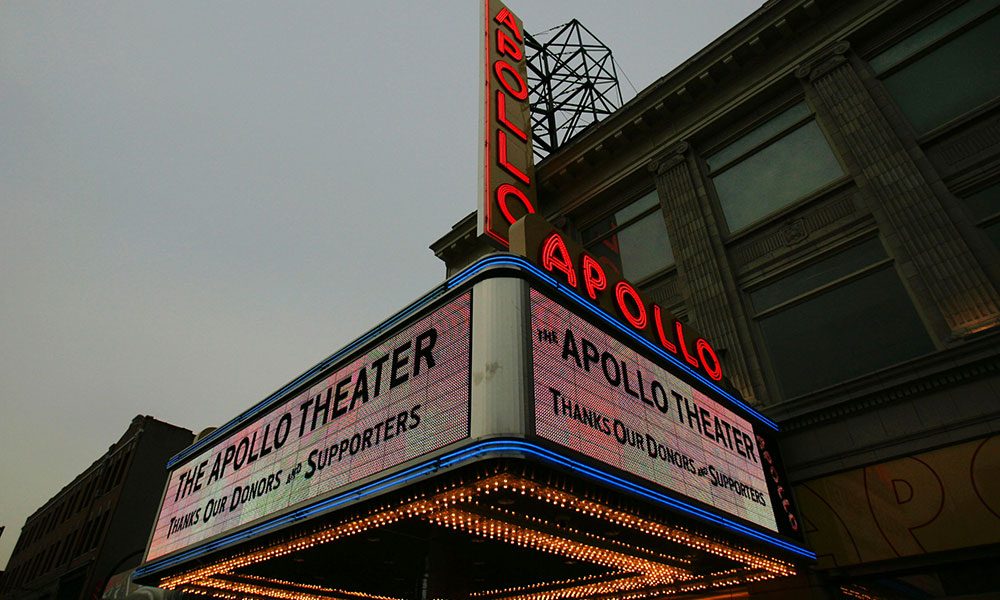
column 501, row 437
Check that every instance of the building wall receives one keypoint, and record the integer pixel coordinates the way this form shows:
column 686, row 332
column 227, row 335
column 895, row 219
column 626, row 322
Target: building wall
column 98, row 524
column 818, row 192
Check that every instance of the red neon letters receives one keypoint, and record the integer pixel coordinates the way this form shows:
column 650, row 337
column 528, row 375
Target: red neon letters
column 594, row 278
column 508, row 169
column 505, row 17
column 556, row 258
column 505, row 191
column 503, row 120
column 635, row 314
column 502, row 159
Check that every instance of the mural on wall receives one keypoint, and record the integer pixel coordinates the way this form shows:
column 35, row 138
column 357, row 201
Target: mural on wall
column 940, row 500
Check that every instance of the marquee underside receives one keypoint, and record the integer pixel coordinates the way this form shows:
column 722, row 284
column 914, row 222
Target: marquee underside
column 503, row 528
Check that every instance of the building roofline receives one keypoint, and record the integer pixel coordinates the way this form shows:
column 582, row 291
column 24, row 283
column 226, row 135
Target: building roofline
column 722, row 59
column 138, row 423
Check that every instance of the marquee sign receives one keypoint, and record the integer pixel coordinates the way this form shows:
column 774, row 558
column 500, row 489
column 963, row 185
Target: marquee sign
column 762, row 481
column 595, row 395
column 407, row 395
column 407, row 402
column 507, row 170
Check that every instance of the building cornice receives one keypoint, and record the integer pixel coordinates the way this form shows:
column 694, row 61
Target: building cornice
column 769, row 27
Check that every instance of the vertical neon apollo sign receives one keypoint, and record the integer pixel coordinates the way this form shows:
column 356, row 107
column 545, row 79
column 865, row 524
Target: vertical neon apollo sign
column 507, row 169
column 508, row 188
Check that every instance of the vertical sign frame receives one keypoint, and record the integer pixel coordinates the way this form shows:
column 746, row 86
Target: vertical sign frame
column 507, row 171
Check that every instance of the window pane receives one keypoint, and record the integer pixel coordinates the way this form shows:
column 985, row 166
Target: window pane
column 984, row 203
column 759, row 135
column 993, row 232
column 951, row 80
column 818, row 274
column 638, row 207
column 931, row 33
column 851, row 330
column 776, row 176
column 644, row 247
column 615, row 219
column 639, row 249
column 598, row 229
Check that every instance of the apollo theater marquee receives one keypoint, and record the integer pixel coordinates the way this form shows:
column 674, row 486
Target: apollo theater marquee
column 528, row 428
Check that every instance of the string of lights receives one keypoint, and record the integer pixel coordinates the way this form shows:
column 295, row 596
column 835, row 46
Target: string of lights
column 487, row 507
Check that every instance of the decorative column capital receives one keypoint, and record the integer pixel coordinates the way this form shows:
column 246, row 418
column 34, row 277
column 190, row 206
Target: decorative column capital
column 824, row 62
column 669, row 158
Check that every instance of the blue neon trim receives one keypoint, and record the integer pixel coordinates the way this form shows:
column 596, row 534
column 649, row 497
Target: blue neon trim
column 289, row 387
column 459, row 456
column 494, row 260
column 509, row 260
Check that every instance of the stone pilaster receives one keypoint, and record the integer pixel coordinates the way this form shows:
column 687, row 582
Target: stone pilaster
column 706, row 279
column 952, row 288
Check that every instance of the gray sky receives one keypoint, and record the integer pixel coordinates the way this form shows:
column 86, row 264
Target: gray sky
column 199, row 201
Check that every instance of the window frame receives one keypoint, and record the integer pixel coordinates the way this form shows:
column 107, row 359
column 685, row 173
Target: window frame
column 914, row 28
column 963, row 192
column 631, row 198
column 781, row 133
column 755, row 316
column 710, row 173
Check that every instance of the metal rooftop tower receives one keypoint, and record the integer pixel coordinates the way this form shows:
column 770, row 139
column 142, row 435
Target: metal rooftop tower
column 573, row 83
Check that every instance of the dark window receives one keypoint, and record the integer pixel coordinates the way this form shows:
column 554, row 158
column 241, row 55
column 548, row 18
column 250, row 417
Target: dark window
column 99, row 530
column 84, row 495
column 82, row 539
column 72, row 542
column 838, row 318
column 50, row 559
column 632, row 242
column 772, row 166
column 985, row 208
column 35, row 561
column 66, row 544
column 120, row 470
column 945, row 69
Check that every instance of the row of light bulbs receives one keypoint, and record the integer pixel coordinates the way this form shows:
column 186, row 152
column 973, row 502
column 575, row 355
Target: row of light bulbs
column 443, row 509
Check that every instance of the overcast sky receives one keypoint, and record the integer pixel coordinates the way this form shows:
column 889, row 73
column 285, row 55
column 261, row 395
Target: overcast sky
column 200, row 200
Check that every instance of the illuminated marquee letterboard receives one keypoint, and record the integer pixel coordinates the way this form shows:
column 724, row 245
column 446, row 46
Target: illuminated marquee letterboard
column 595, row 395
column 406, row 396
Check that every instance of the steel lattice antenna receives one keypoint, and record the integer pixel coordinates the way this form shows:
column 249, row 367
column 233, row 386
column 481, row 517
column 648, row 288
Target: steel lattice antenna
column 573, row 83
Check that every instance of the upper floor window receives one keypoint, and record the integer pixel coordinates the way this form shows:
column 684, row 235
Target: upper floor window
column 632, row 242
column 985, row 208
column 945, row 69
column 772, row 166
column 837, row 318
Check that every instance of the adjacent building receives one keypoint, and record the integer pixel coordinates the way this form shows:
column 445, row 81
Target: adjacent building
column 818, row 192
column 98, row 525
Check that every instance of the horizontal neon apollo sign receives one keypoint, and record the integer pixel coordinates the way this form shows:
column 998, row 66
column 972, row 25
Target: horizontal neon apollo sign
column 563, row 258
